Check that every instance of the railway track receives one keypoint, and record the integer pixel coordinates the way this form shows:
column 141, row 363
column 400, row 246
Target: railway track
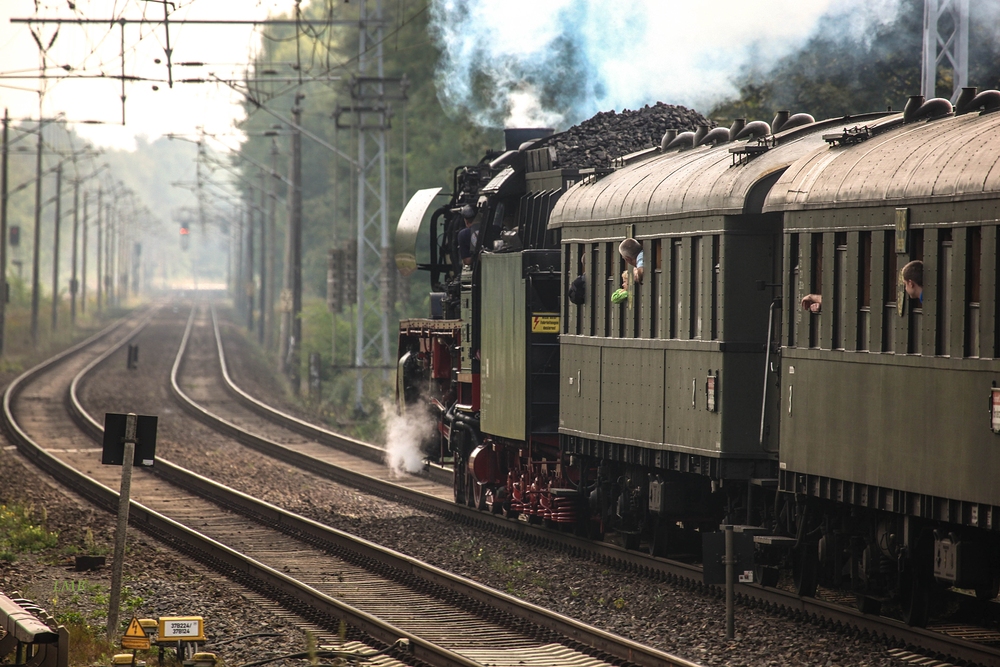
column 253, row 423
column 418, row 614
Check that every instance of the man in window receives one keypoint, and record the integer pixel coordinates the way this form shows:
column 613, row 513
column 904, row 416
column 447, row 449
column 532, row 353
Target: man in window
column 913, row 280
column 631, row 252
column 467, row 236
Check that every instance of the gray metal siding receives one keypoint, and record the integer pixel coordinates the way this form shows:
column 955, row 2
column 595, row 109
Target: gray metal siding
column 879, row 422
column 687, row 423
column 580, row 387
column 632, row 394
column 503, row 341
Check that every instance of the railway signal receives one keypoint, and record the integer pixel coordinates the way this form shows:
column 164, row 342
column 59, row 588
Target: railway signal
column 185, row 238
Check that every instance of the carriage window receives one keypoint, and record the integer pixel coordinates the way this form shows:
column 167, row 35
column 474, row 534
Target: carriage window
column 795, row 294
column 715, row 287
column 916, row 311
column 591, row 303
column 695, row 287
column 816, row 286
column 611, row 283
column 946, row 257
column 567, row 280
column 581, row 264
column 973, row 257
column 889, row 293
column 864, row 289
column 839, row 290
column 675, row 294
column 621, row 308
column 655, row 264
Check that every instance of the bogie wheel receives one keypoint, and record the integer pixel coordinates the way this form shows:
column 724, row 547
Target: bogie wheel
column 509, row 513
column 492, row 500
column 915, row 600
column 805, row 570
column 867, row 605
column 987, row 592
column 658, row 540
column 766, row 575
column 631, row 541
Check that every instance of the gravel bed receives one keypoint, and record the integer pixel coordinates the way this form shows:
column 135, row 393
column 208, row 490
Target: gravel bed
column 671, row 618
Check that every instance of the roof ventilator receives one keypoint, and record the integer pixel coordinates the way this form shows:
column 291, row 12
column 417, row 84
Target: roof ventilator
column 682, row 140
column 754, row 130
column 668, row 136
column 969, row 101
column 736, row 128
column 718, row 135
column 780, row 118
column 798, row 120
column 917, row 109
column 699, row 133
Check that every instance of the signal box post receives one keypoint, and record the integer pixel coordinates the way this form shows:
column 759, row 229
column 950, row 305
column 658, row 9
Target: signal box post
column 123, row 447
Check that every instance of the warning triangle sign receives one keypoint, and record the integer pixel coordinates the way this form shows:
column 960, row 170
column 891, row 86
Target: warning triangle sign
column 135, row 636
column 135, row 629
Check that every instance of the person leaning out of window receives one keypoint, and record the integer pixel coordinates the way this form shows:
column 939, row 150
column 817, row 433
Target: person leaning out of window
column 631, row 252
column 913, row 282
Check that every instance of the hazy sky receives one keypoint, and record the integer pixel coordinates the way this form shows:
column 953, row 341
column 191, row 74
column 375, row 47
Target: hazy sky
column 96, row 49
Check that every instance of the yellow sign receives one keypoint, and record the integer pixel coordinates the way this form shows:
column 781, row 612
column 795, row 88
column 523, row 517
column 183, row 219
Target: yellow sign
column 546, row 324
column 135, row 637
column 902, row 230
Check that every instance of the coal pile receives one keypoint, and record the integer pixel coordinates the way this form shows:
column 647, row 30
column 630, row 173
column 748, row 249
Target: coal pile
column 597, row 141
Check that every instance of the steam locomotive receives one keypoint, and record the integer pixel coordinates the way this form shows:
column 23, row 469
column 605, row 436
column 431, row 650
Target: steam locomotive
column 855, row 447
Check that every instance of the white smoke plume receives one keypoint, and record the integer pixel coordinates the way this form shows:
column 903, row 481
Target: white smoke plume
column 404, row 435
column 556, row 62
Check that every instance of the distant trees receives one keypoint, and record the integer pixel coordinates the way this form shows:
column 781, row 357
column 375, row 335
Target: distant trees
column 842, row 70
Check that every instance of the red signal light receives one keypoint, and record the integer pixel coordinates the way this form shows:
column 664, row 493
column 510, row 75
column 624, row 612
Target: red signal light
column 184, row 231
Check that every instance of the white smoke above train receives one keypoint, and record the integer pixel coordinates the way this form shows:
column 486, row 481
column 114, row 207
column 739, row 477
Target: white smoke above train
column 553, row 63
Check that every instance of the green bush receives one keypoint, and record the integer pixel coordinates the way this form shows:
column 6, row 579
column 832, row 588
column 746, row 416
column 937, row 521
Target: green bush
column 21, row 533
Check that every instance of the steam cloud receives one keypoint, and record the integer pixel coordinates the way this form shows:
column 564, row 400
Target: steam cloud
column 404, row 435
column 556, row 62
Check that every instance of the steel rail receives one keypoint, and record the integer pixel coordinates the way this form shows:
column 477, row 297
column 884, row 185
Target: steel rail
column 28, row 448
column 313, row 532
column 232, row 563
column 891, row 630
column 318, row 433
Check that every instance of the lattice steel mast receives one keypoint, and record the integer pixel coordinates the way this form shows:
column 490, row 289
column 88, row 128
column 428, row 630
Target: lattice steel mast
column 946, row 43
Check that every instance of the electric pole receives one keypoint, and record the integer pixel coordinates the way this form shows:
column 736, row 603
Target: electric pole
column 100, row 224
column 291, row 296
column 263, row 257
column 55, row 249
column 248, row 284
column 3, row 231
column 36, row 246
column 271, row 242
column 83, row 258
